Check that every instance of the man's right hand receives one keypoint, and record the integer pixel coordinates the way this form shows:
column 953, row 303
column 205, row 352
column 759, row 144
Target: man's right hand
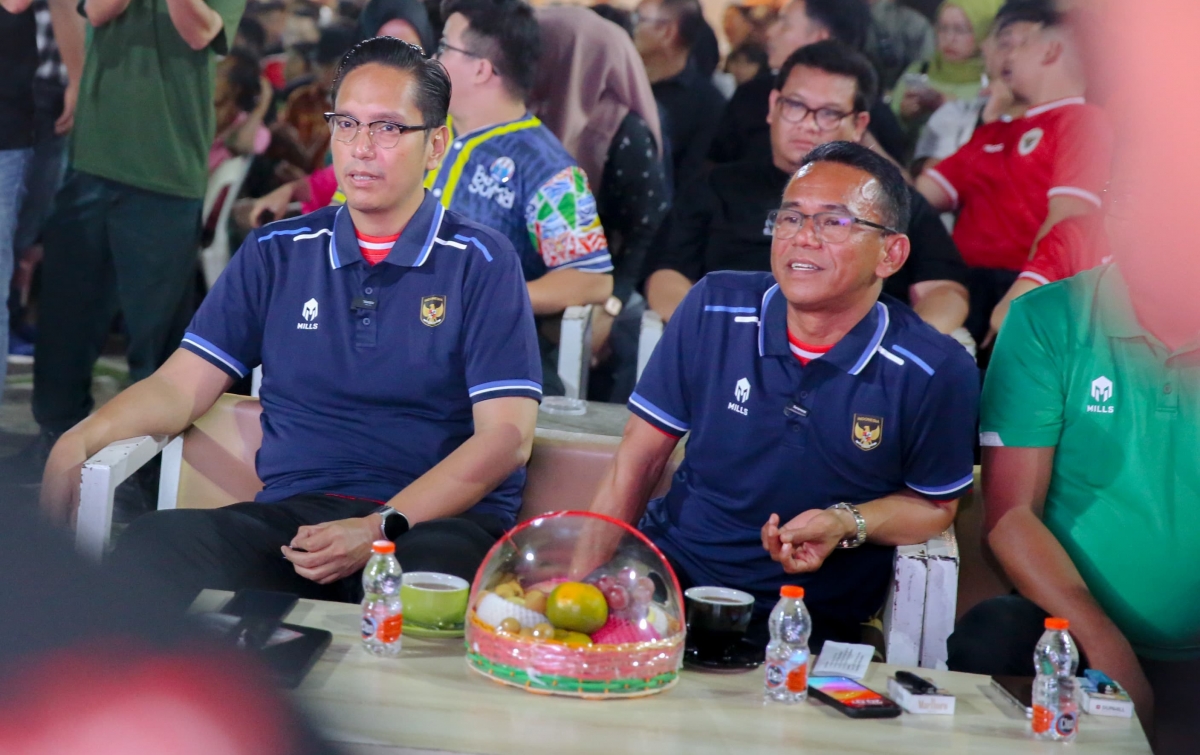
column 276, row 203
column 60, row 480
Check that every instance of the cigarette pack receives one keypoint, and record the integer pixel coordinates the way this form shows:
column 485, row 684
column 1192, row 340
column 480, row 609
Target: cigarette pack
column 1115, row 703
column 940, row 703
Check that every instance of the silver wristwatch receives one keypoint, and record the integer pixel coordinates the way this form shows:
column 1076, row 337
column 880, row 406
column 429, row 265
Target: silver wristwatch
column 860, row 536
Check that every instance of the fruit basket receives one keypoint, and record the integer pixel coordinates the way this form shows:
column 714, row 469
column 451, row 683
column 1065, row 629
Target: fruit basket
column 573, row 603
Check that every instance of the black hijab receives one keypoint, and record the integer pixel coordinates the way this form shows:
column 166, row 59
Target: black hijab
column 379, row 12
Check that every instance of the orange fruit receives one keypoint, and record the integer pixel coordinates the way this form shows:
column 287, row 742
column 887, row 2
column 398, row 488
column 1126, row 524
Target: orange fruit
column 577, row 607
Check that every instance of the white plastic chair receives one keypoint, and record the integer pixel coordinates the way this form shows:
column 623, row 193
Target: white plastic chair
column 230, row 175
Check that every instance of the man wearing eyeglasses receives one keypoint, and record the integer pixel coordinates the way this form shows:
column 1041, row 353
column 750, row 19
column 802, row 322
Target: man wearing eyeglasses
column 827, row 422
column 823, row 93
column 400, row 362
column 504, row 169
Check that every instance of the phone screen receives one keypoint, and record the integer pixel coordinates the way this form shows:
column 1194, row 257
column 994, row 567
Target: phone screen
column 849, row 692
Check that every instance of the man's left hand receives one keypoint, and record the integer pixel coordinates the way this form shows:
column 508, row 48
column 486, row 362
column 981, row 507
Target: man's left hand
column 807, row 540
column 334, row 549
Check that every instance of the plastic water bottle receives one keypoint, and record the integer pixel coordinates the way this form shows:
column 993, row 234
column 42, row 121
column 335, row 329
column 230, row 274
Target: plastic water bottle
column 383, row 613
column 787, row 654
column 1055, row 707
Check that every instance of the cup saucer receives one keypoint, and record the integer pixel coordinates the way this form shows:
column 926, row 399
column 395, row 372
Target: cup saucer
column 426, row 633
column 741, row 657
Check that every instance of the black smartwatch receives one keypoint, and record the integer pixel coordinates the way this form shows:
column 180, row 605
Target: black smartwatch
column 393, row 523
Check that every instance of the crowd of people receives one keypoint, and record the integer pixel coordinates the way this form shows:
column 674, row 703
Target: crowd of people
column 841, row 221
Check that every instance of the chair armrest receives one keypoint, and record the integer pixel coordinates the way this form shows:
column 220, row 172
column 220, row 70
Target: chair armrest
column 648, row 336
column 99, row 479
column 575, row 350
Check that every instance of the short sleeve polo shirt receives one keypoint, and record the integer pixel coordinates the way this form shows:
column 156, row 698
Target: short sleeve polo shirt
column 519, row 179
column 1001, row 181
column 1074, row 369
column 891, row 407
column 370, row 373
column 145, row 111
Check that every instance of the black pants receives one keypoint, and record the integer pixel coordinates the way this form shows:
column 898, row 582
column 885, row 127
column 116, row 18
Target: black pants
column 109, row 247
column 997, row 637
column 235, row 547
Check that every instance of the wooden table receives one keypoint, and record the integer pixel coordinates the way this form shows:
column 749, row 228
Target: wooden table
column 428, row 700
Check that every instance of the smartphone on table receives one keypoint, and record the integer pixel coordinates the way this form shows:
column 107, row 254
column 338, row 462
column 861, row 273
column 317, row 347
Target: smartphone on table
column 1018, row 690
column 852, row 698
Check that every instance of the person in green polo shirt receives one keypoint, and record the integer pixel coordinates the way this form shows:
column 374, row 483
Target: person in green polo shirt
column 1091, row 474
column 126, row 225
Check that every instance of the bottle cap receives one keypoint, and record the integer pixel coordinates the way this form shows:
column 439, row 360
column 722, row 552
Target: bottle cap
column 791, row 591
column 1058, row 625
column 383, row 546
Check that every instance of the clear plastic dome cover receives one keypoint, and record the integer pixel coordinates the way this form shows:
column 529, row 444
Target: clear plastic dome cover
column 578, row 604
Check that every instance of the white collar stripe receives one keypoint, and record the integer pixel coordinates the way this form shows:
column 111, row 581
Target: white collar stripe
column 1053, row 105
column 766, row 298
column 880, row 330
column 805, row 352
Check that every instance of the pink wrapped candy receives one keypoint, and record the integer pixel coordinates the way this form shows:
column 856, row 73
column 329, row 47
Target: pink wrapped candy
column 619, row 631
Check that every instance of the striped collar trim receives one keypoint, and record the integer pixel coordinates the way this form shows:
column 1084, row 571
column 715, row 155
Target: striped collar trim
column 412, row 249
column 1053, row 105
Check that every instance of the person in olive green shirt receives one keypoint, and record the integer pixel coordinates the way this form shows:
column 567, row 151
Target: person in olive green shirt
column 1090, row 426
column 126, row 226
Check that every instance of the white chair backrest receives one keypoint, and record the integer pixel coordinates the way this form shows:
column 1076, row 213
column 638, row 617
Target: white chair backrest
column 227, row 179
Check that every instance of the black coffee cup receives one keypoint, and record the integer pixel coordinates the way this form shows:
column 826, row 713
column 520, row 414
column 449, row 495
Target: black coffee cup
column 717, row 618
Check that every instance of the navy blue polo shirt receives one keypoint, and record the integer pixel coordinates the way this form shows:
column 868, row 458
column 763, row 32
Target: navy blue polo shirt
column 370, row 373
column 892, row 406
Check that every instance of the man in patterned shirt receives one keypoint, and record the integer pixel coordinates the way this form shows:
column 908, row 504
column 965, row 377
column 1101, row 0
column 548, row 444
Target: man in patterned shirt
column 506, row 170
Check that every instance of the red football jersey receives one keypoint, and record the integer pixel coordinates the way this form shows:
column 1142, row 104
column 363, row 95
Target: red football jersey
column 1072, row 246
column 1002, row 180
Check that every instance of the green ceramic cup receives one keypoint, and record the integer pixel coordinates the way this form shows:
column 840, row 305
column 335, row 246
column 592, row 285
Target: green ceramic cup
column 433, row 600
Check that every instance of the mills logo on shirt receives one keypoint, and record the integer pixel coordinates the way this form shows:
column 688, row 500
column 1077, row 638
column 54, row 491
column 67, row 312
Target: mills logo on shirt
column 309, row 313
column 1102, row 392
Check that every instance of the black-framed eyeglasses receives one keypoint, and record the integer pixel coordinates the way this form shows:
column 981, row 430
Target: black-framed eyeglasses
column 833, row 227
column 383, row 134
column 795, row 111
column 444, row 47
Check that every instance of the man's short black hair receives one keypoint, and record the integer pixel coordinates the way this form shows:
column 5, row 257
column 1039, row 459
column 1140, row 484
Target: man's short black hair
column 846, row 20
column 896, row 206
column 432, row 81
column 1032, row 11
column 832, row 56
column 505, row 32
column 689, row 19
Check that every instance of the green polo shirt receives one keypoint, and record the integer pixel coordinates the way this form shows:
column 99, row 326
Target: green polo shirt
column 1074, row 369
column 145, row 111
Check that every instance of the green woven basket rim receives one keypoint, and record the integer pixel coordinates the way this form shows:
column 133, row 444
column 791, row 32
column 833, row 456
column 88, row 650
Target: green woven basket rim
column 569, row 684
